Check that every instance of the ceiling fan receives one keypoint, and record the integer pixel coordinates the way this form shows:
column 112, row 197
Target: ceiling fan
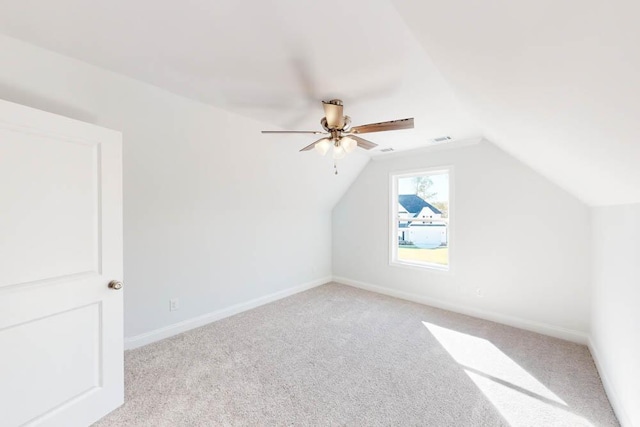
column 341, row 135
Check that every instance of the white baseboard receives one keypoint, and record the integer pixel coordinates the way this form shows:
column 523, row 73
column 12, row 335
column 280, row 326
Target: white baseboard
column 529, row 325
column 196, row 322
column 608, row 387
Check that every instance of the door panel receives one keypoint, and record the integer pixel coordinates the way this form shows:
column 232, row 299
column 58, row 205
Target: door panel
column 70, row 360
column 53, row 205
column 61, row 357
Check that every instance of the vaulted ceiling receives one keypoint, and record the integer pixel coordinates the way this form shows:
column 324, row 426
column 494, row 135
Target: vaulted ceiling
column 553, row 83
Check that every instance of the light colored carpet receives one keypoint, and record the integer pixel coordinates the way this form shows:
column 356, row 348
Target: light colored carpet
column 337, row 355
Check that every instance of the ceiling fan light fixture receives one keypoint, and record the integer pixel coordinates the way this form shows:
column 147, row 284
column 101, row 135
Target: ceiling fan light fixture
column 338, row 152
column 323, row 146
column 349, row 144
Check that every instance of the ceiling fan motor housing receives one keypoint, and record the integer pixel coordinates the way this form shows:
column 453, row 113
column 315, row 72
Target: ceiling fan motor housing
column 345, row 128
column 333, row 113
column 334, row 119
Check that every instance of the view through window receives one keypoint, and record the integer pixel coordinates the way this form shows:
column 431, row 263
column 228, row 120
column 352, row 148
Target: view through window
column 421, row 219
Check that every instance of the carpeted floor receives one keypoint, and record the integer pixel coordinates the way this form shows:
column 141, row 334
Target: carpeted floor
column 336, row 355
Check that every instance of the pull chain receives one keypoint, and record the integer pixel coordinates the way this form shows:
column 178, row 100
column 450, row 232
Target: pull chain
column 335, row 167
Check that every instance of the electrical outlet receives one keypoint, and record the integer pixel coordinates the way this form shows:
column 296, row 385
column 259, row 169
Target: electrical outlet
column 174, row 304
column 479, row 293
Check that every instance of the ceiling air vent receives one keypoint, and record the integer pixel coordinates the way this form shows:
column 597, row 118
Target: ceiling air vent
column 386, row 150
column 441, row 139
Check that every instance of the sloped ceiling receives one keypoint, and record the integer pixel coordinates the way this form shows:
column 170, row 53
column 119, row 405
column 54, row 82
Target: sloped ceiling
column 177, row 152
column 553, row 83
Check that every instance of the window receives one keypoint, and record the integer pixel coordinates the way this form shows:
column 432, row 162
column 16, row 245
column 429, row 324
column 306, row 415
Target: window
column 420, row 218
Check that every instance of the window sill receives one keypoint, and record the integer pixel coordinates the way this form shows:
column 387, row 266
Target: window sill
column 421, row 266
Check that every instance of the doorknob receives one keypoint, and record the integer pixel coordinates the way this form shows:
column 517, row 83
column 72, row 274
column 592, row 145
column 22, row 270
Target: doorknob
column 115, row 284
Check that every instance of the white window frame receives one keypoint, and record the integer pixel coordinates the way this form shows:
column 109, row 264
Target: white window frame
column 393, row 222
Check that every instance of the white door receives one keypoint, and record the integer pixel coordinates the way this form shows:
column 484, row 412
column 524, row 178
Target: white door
column 61, row 355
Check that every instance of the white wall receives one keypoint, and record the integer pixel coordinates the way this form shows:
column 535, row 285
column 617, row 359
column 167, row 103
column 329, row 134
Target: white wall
column 615, row 323
column 214, row 213
column 517, row 239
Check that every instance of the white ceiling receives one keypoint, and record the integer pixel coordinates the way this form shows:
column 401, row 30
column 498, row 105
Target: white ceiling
column 272, row 61
column 553, row 83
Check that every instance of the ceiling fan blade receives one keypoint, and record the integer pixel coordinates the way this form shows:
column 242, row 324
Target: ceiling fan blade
column 312, row 145
column 314, row 132
column 363, row 143
column 384, row 126
column 333, row 111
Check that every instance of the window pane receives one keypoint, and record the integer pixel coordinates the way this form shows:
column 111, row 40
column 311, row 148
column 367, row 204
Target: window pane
column 423, row 219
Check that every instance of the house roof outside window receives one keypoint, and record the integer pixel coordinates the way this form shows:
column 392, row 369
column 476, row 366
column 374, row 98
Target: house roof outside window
column 414, row 204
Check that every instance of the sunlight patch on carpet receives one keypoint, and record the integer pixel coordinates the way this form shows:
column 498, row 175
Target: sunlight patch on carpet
column 520, row 397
